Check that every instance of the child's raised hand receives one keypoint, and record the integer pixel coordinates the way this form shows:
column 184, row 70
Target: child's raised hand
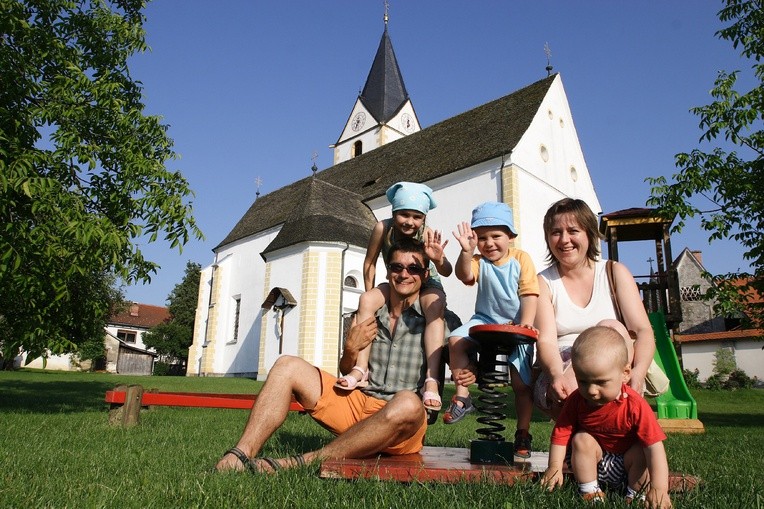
column 466, row 237
column 433, row 245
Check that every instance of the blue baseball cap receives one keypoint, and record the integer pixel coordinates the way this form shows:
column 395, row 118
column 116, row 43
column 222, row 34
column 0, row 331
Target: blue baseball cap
column 493, row 213
column 411, row 196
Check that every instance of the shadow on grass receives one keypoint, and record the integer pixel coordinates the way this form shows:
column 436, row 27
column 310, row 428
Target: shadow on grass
column 53, row 397
column 731, row 420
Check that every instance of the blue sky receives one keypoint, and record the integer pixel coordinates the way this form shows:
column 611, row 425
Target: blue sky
column 254, row 88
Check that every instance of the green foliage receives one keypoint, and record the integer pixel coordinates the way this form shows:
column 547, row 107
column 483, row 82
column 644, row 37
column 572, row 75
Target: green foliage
column 691, row 378
column 728, row 181
column 83, row 171
column 724, row 361
column 173, row 338
column 738, row 379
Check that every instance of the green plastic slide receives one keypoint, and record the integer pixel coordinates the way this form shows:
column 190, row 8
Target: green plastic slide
column 677, row 402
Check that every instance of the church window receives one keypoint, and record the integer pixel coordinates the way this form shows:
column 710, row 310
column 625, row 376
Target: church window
column 573, row 174
column 357, row 148
column 544, row 153
column 351, row 282
column 236, row 314
column 690, row 293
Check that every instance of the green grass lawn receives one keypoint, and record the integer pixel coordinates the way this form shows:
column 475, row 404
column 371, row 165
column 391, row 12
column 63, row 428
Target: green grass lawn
column 58, row 450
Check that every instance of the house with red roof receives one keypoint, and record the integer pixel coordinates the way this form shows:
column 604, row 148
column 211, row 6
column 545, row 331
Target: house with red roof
column 124, row 349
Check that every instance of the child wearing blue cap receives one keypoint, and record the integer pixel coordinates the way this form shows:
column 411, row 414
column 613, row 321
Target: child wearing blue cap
column 507, row 291
column 410, row 203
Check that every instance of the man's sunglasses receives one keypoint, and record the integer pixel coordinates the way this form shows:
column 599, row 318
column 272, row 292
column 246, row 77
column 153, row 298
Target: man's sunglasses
column 414, row 270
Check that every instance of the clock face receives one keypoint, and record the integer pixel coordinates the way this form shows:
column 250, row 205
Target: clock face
column 358, row 121
column 407, row 123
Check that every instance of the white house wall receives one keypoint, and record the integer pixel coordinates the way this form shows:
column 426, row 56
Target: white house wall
column 700, row 355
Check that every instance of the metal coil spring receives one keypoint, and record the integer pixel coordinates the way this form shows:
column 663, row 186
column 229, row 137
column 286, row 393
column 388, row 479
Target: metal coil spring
column 492, row 403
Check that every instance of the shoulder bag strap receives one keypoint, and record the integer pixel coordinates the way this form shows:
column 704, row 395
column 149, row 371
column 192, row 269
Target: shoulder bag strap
column 611, row 283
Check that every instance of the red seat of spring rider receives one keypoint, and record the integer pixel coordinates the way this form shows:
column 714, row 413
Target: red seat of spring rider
column 503, row 334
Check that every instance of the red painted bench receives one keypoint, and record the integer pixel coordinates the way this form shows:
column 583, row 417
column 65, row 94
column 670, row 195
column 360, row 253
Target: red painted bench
column 193, row 399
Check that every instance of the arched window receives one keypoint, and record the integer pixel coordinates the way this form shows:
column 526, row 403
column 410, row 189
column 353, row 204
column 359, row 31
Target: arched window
column 351, row 282
column 357, row 148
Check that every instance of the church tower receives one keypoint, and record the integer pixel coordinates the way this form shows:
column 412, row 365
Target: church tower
column 382, row 112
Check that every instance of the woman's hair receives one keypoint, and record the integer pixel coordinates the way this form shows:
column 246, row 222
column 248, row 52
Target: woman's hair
column 583, row 216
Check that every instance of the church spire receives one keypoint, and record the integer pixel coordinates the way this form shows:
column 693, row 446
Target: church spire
column 384, row 92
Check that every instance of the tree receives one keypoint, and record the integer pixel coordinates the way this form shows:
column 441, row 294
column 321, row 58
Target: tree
column 83, row 173
column 173, row 338
column 729, row 182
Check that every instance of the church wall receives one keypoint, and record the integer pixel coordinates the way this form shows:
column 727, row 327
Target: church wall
column 286, row 270
column 239, row 274
column 200, row 322
column 549, row 165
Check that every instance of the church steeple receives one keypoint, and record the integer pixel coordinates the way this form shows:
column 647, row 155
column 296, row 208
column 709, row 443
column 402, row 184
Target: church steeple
column 382, row 112
column 384, row 93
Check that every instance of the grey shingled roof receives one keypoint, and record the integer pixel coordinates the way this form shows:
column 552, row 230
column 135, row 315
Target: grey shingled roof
column 384, row 92
column 486, row 132
column 325, row 213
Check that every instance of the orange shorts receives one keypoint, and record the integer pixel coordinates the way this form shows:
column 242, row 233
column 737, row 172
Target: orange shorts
column 338, row 410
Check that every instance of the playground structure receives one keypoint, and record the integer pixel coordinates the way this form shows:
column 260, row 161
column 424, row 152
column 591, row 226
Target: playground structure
column 677, row 409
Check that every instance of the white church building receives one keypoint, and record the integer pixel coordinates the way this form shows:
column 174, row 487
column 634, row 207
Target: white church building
column 287, row 277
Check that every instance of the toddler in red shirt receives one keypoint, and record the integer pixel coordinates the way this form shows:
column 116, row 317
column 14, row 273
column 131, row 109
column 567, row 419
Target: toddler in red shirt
column 613, row 433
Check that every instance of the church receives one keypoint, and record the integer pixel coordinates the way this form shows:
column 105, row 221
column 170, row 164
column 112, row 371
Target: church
column 287, row 277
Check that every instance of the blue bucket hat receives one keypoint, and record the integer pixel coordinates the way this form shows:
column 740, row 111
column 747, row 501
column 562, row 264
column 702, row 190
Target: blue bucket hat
column 411, row 196
column 493, row 213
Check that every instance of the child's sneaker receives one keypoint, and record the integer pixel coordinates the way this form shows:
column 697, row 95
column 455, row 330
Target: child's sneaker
column 523, row 441
column 594, row 497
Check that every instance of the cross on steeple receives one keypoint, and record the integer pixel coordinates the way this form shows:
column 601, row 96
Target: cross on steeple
column 258, row 183
column 548, row 52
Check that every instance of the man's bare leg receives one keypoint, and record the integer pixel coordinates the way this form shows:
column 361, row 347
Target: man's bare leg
column 398, row 420
column 289, row 376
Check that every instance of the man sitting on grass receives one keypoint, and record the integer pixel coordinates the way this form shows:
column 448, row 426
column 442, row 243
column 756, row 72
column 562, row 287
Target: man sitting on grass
column 387, row 416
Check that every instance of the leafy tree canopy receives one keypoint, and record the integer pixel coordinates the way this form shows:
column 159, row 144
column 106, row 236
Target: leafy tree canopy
column 83, row 170
column 724, row 187
column 173, row 338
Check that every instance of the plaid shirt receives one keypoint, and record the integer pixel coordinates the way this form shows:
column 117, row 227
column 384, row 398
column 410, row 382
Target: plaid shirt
column 397, row 363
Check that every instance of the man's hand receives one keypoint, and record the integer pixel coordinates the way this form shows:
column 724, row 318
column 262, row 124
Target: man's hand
column 361, row 335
